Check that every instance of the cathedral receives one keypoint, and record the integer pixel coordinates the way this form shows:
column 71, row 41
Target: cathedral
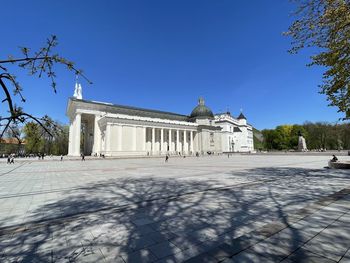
column 105, row 129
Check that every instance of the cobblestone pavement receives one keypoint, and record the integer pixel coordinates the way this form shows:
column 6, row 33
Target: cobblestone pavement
column 246, row 208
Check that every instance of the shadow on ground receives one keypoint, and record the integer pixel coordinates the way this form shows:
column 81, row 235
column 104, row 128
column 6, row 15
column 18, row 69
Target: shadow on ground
column 144, row 220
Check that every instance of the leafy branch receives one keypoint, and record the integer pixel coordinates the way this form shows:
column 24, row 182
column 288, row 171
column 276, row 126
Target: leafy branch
column 325, row 25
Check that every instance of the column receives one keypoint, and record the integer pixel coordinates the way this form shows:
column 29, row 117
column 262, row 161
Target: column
column 191, row 142
column 85, row 134
column 76, row 137
column 97, row 136
column 170, row 149
column 161, row 140
column 108, row 139
column 70, row 141
column 119, row 138
column 177, row 141
column 153, row 140
column 90, row 136
column 143, row 139
column 185, row 148
column 133, row 138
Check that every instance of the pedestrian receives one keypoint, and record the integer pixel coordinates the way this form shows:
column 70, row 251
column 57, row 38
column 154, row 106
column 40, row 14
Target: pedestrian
column 334, row 159
column 12, row 159
column 82, row 157
column 166, row 158
column 9, row 159
column 61, row 157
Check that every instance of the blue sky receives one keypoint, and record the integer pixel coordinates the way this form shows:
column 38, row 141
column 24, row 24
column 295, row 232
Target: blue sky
column 165, row 54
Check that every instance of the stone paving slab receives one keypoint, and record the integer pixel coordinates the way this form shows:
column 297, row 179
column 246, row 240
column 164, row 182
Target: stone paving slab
column 207, row 209
column 306, row 256
column 328, row 244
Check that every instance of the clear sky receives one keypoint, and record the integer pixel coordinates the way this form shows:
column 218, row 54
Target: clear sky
column 163, row 55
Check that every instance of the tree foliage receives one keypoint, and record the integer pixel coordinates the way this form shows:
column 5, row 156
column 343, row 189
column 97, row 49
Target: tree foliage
column 38, row 64
column 325, row 25
column 38, row 140
column 319, row 135
column 33, row 137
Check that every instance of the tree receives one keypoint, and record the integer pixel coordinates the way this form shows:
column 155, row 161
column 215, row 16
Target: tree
column 37, row 64
column 60, row 145
column 325, row 25
column 272, row 139
column 38, row 140
column 57, row 141
column 319, row 135
column 284, row 136
column 33, row 137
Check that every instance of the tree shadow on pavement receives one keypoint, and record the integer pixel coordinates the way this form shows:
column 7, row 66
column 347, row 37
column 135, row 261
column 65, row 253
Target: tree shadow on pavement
column 165, row 220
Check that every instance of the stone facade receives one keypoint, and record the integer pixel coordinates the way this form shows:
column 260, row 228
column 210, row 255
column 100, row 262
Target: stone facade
column 98, row 128
column 237, row 134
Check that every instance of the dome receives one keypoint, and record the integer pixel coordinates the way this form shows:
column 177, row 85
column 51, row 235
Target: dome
column 201, row 111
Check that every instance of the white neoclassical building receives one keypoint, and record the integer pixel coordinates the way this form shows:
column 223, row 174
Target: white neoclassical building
column 98, row 128
column 237, row 134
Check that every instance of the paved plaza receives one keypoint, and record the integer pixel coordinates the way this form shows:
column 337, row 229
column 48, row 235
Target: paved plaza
column 245, row 208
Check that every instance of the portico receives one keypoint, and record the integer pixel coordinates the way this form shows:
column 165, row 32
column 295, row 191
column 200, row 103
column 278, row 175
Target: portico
column 165, row 140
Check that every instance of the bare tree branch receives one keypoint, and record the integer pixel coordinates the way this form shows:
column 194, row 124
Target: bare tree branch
column 39, row 62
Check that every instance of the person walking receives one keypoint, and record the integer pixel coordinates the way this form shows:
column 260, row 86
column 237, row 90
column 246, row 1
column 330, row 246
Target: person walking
column 82, row 157
column 166, row 158
column 334, row 159
column 61, row 157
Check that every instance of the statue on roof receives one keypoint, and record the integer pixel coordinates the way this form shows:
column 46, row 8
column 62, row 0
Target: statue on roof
column 78, row 91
